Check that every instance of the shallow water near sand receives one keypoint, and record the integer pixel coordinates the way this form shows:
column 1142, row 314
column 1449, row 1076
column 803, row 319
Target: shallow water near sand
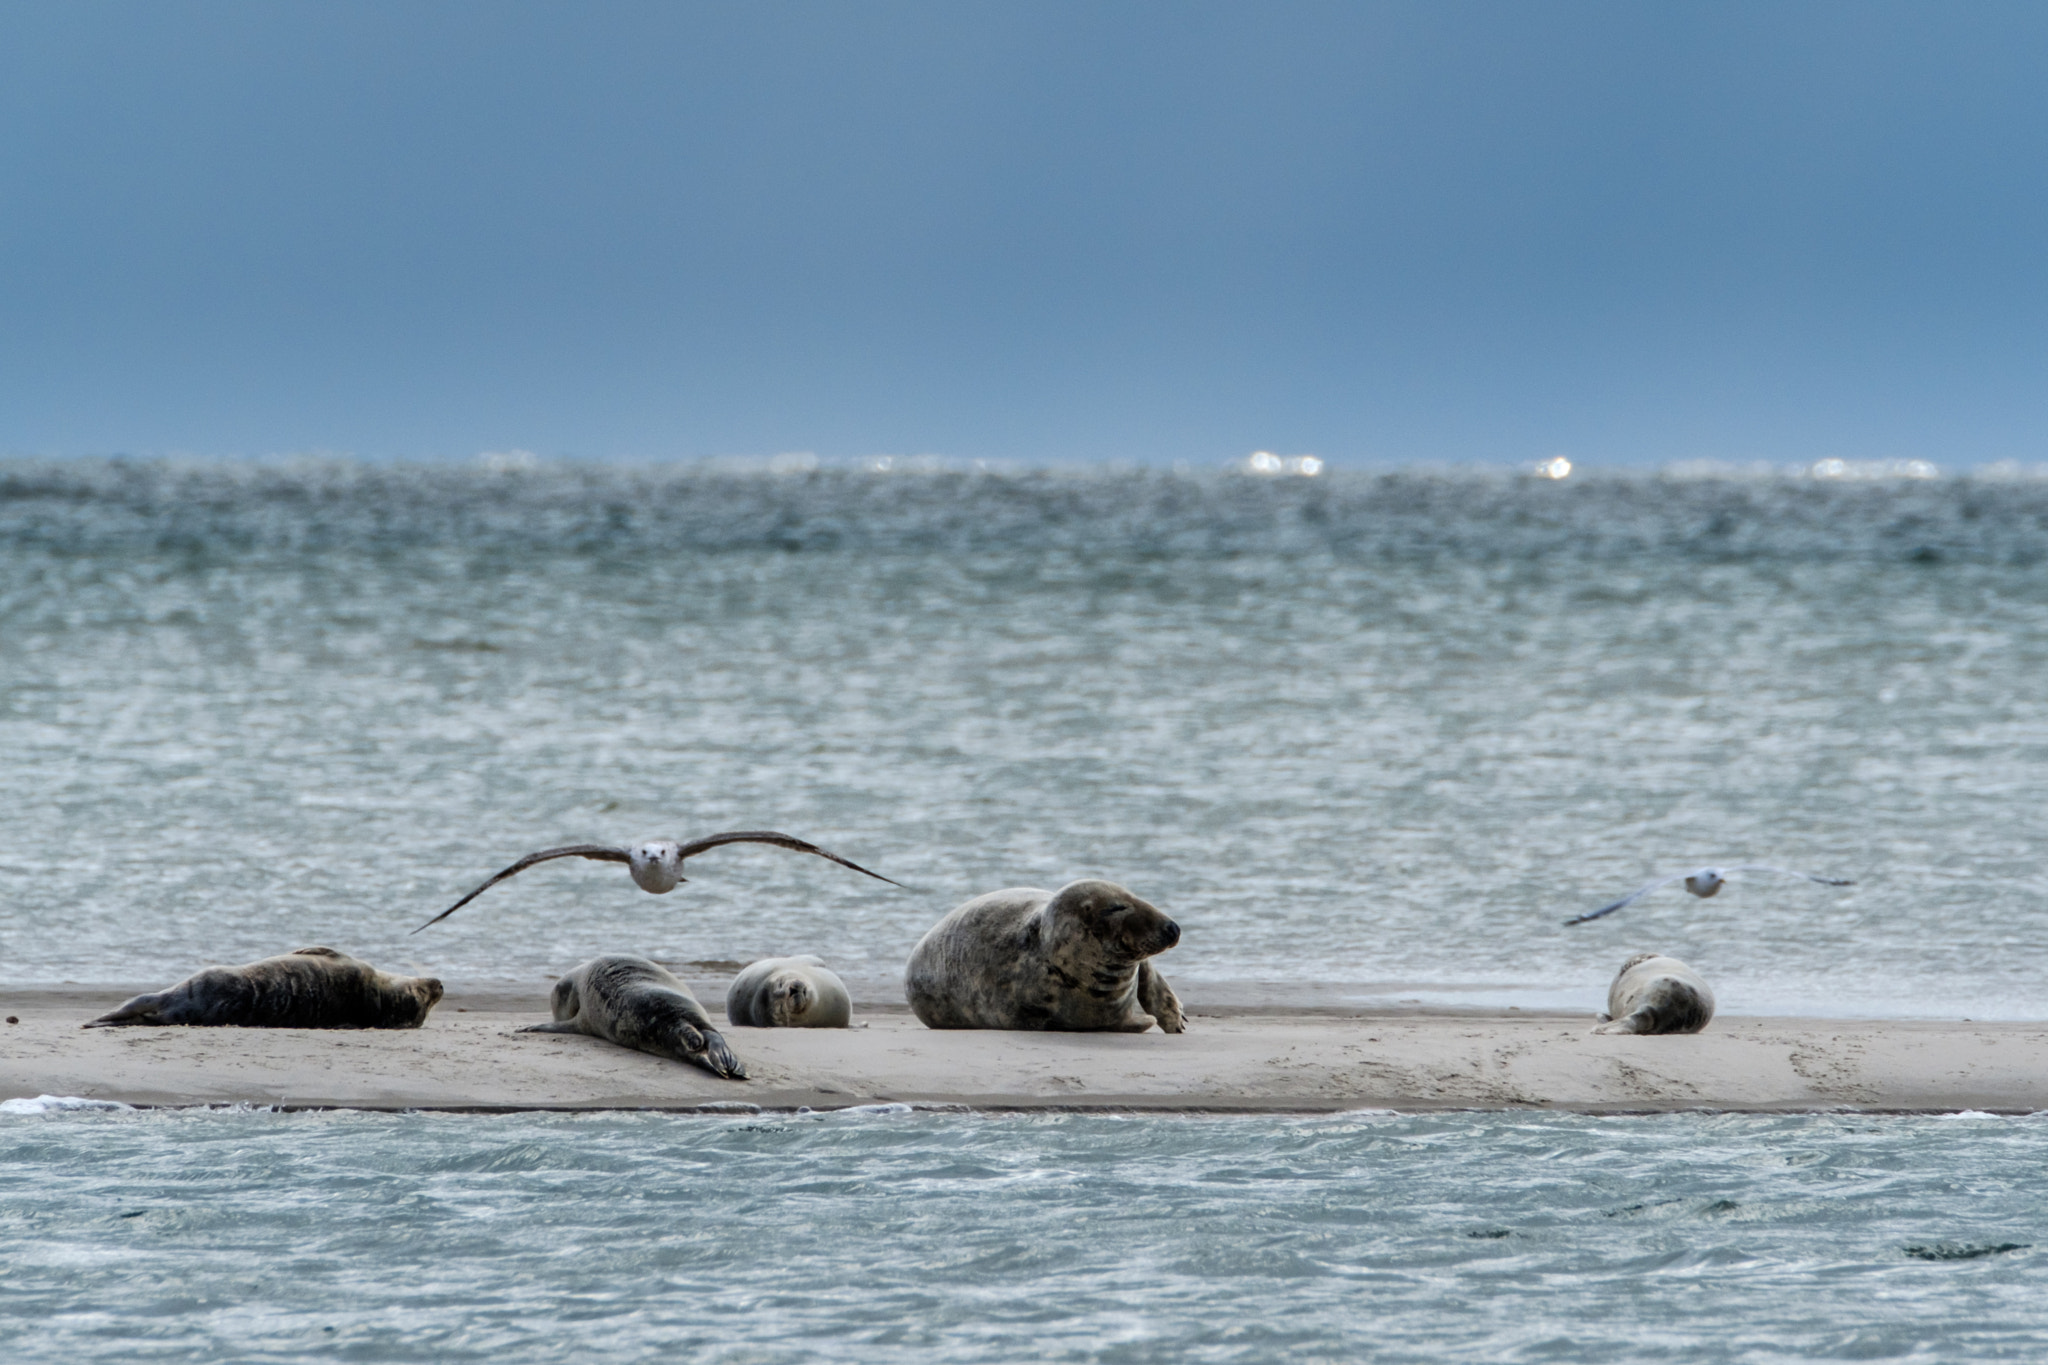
column 872, row 1235
column 1357, row 729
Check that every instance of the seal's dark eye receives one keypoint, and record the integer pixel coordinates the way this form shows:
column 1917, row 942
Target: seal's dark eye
column 1118, row 910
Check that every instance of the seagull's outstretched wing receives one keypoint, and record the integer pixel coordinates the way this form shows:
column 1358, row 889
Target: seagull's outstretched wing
column 769, row 836
column 596, row 851
column 1630, row 899
column 1788, row 872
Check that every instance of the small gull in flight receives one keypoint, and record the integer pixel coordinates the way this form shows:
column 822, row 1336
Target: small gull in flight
column 657, row 864
column 1704, row 881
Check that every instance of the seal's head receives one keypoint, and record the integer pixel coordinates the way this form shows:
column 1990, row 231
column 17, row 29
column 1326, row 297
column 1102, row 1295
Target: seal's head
column 789, row 996
column 657, row 865
column 1705, row 882
column 1133, row 929
column 426, row 993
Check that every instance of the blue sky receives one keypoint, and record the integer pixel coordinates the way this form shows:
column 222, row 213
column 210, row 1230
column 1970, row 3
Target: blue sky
column 1627, row 232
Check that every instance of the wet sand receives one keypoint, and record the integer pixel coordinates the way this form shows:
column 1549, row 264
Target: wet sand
column 1235, row 1058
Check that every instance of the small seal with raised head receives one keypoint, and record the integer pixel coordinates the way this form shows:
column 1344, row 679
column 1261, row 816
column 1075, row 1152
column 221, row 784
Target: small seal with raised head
column 1656, row 994
column 1072, row 959
column 642, row 1005
column 310, row 988
column 789, row 992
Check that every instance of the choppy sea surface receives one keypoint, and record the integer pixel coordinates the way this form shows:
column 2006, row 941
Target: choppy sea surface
column 1375, row 728
column 1377, row 732
column 199, row 1236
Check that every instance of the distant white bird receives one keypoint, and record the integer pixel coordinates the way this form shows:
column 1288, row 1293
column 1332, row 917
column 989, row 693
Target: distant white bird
column 1704, row 881
column 657, row 864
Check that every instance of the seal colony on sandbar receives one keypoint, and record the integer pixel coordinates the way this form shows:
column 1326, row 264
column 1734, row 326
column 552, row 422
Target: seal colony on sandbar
column 1078, row 959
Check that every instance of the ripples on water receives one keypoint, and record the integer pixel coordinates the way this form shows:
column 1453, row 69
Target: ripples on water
column 199, row 1236
column 1361, row 728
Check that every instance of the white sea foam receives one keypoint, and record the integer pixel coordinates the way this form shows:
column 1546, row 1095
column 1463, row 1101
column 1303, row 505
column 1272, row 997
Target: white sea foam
column 55, row 1104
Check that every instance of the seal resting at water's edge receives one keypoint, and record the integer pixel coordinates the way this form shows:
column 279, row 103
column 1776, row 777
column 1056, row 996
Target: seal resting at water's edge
column 1656, row 994
column 788, row 992
column 310, row 988
column 1072, row 959
column 642, row 1005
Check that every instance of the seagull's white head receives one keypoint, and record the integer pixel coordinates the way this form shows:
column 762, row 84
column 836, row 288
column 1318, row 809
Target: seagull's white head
column 1704, row 882
column 656, row 866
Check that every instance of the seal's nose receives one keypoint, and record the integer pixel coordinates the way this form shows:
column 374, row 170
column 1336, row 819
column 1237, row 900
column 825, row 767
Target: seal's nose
column 1170, row 935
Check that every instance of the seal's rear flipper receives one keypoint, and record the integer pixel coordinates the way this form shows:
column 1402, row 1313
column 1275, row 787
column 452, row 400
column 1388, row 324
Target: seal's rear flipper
column 559, row 1026
column 717, row 1058
column 143, row 1009
column 1644, row 1020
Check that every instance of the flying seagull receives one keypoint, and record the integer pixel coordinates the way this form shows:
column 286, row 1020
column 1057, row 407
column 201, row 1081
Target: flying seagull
column 657, row 864
column 1704, row 881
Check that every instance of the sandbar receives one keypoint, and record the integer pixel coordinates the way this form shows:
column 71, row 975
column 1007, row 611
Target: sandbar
column 1232, row 1059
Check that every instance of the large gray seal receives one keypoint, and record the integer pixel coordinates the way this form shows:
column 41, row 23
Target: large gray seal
column 789, row 992
column 310, row 988
column 642, row 1005
column 1072, row 959
column 1656, row 994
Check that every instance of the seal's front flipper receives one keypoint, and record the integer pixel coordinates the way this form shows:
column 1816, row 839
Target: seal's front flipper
column 559, row 1026
column 1639, row 1022
column 717, row 1058
column 1157, row 999
column 143, row 1009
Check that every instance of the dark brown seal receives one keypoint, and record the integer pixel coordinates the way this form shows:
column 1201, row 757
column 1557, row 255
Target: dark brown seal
column 1072, row 959
column 642, row 1005
column 310, row 988
column 1656, row 994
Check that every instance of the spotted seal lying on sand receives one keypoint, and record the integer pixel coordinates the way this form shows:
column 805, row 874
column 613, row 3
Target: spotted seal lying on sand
column 642, row 1005
column 789, row 992
column 1072, row 959
column 310, row 988
column 1656, row 994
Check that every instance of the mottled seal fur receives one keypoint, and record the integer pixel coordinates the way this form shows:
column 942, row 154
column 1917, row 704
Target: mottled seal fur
column 310, row 988
column 788, row 992
column 1656, row 994
column 1072, row 959
column 642, row 1005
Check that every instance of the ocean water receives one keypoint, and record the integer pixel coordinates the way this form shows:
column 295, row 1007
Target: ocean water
column 1380, row 731
column 1374, row 733
column 201, row 1236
